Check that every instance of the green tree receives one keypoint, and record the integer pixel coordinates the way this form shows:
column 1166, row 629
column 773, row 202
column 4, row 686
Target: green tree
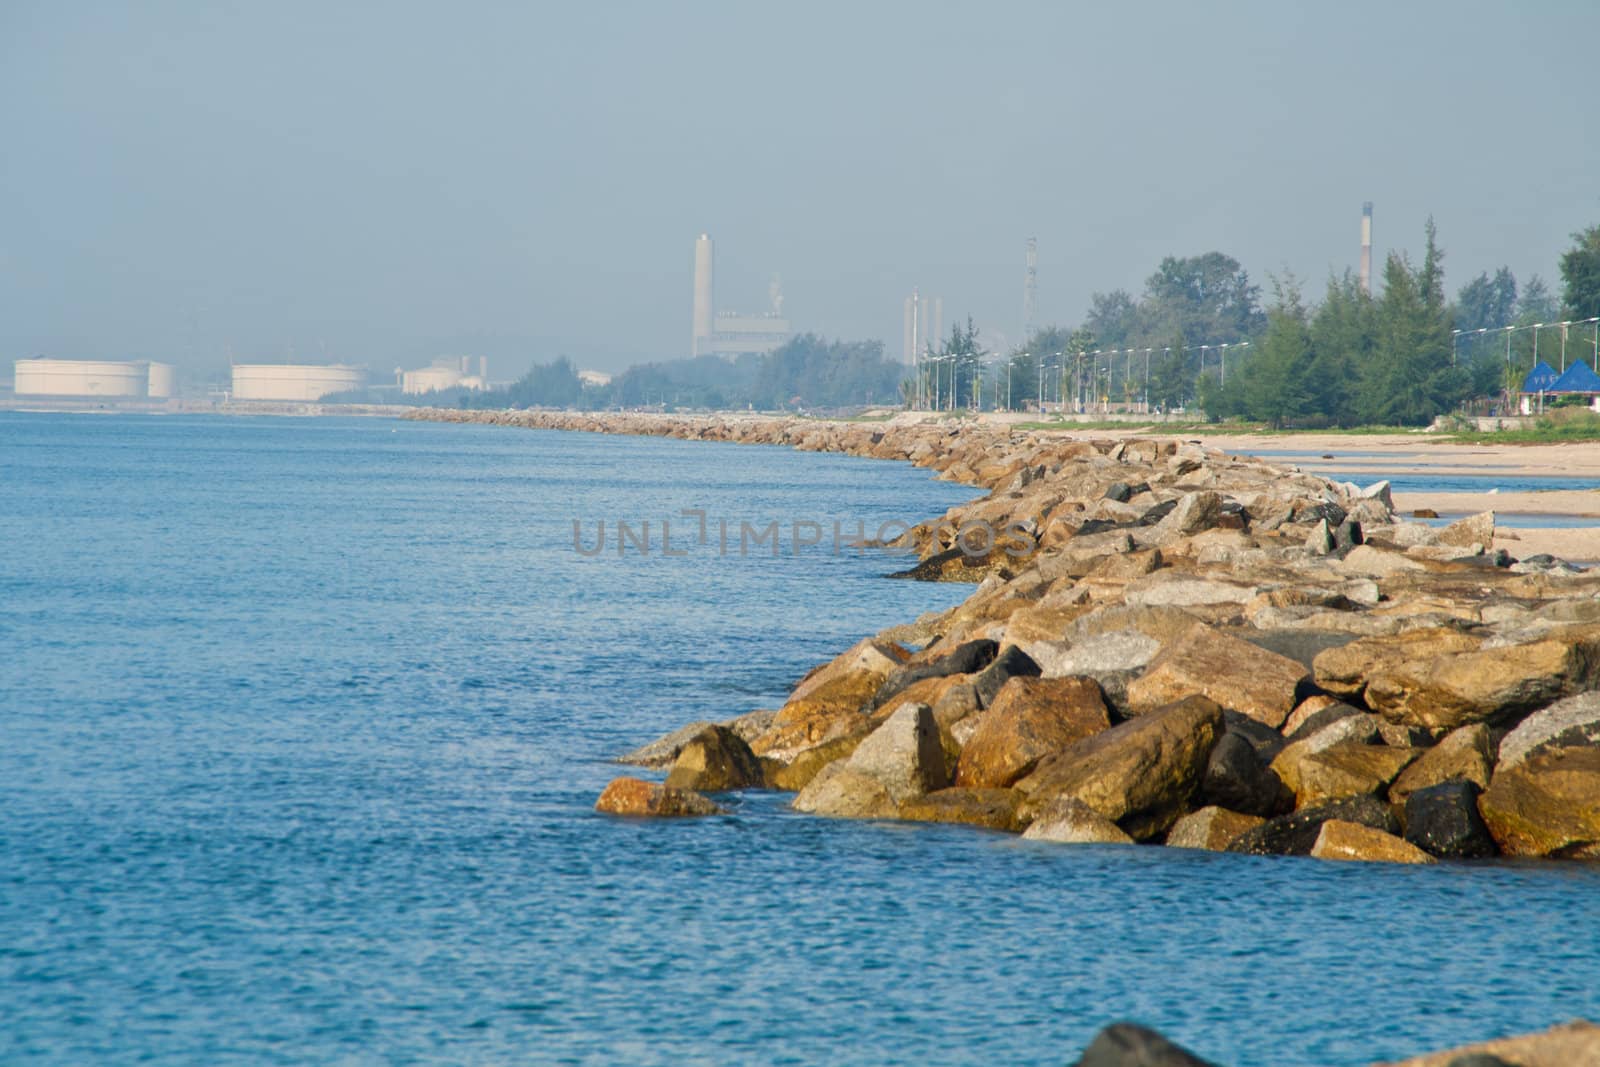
column 1580, row 275
column 1343, row 337
column 1276, row 384
column 1169, row 379
column 1409, row 379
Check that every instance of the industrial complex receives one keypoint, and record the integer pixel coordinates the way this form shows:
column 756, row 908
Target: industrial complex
column 294, row 381
column 730, row 333
column 449, row 373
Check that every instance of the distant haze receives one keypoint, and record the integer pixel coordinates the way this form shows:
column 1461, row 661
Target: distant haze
column 384, row 183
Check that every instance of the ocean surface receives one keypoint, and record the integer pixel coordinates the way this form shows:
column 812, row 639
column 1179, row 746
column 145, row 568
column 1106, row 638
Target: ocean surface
column 302, row 722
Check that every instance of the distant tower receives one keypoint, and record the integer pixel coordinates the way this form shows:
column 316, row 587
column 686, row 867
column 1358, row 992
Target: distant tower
column 1030, row 288
column 913, row 321
column 933, row 320
column 1366, row 248
column 704, row 316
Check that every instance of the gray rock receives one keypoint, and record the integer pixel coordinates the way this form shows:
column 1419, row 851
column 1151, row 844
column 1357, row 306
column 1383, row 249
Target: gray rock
column 1127, row 1045
column 1118, row 650
column 1319, row 542
column 1569, row 723
column 904, row 754
column 663, row 751
column 1011, row 663
column 842, row 793
column 1072, row 822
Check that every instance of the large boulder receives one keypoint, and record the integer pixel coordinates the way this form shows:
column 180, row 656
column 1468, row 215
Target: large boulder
column 834, row 708
column 635, row 796
column 1233, row 673
column 990, row 809
column 1473, row 530
column 1358, row 729
column 1344, row 671
column 967, row 658
column 1443, row 819
column 1011, row 663
column 1546, row 805
column 663, row 750
column 713, row 761
column 1574, row 1044
column 795, row 775
column 904, row 754
column 1296, row 833
column 1341, row 840
column 1570, row 723
column 1141, row 774
column 1127, row 1045
column 1029, row 719
column 842, row 793
column 1348, row 771
column 1488, row 685
column 1072, row 822
column 1211, row 828
column 1095, row 655
column 1466, row 754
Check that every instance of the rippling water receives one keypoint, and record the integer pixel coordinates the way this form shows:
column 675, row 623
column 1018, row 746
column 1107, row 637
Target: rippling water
column 302, row 721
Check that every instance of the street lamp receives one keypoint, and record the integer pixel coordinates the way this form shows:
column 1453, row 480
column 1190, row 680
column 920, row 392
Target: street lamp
column 1455, row 336
column 1564, row 327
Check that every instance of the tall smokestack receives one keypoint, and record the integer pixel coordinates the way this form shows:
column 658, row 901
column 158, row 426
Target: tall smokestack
column 909, row 337
column 704, row 316
column 1030, row 289
column 1366, row 248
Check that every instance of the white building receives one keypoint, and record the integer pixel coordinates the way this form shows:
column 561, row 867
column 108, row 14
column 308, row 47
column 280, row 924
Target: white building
column 131, row 379
column 729, row 333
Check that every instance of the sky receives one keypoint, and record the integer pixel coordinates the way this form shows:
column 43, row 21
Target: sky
column 384, row 183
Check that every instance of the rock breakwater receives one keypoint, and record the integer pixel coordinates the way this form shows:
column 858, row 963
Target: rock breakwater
column 1169, row 645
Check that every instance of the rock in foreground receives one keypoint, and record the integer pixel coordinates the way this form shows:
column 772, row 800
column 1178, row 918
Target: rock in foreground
column 635, row 796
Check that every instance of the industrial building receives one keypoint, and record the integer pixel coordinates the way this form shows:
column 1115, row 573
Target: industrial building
column 730, row 333
column 128, row 380
column 294, row 381
column 450, row 373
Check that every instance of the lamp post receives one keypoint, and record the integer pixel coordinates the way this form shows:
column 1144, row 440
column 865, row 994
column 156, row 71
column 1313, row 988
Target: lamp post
column 1536, row 328
column 1564, row 327
column 1455, row 336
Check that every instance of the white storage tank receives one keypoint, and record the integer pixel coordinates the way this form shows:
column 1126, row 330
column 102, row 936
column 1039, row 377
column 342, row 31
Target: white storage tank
column 74, row 377
column 294, row 381
column 160, row 381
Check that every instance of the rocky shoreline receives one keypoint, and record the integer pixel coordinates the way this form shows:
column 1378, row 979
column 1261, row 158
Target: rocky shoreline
column 1171, row 645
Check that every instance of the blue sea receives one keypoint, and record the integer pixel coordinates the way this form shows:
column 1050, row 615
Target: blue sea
column 302, row 722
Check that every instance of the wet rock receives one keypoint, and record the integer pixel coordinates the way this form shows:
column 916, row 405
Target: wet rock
column 1465, row 754
column 1211, row 828
column 1347, row 771
column 1235, row 778
column 1231, row 672
column 715, row 760
column 842, row 793
column 637, row 797
column 1296, row 833
column 1011, row 663
column 1030, row 718
column 1443, row 819
column 904, row 754
column 1141, row 774
column 991, row 809
column 1073, row 822
column 1340, row 840
column 1546, row 805
column 1570, row 723
column 662, row 751
column 1127, row 1045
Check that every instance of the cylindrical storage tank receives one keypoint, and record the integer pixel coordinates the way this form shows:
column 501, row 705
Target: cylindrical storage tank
column 429, row 379
column 70, row 377
column 160, row 386
column 293, row 381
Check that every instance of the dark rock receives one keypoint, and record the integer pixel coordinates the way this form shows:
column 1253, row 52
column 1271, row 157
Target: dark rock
column 1332, row 513
column 1129, row 1045
column 1498, row 558
column 1236, row 779
column 1122, row 492
column 1157, row 513
column 715, row 760
column 1479, row 1059
column 1347, row 535
column 963, row 659
column 1296, row 833
column 1266, row 741
column 1094, row 526
column 1443, row 819
column 1324, row 718
column 1302, row 645
column 1232, row 515
column 1011, row 663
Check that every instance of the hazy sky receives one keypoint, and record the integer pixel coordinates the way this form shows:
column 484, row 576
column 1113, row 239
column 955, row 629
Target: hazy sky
column 382, row 183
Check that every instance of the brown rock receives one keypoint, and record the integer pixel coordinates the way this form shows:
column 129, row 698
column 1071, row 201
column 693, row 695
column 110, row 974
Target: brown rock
column 1489, row 685
column 1546, row 805
column 1029, row 719
column 713, row 761
column 797, row 774
column 1231, row 672
column 1305, row 709
column 831, row 709
column 1344, row 670
column 635, row 796
column 992, row 809
column 1574, row 1044
column 1340, row 840
column 869, row 657
column 1348, row 771
column 1473, row 530
column 1467, row 753
column 1072, row 822
column 1210, row 828
column 1141, row 774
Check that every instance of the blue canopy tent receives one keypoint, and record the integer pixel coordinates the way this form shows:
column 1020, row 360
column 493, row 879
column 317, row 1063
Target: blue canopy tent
column 1577, row 379
column 1541, row 378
